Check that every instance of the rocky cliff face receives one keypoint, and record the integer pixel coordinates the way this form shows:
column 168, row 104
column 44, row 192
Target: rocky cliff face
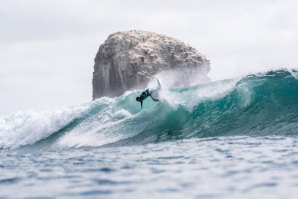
column 127, row 60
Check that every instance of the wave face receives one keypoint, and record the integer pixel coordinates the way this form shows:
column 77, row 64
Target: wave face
column 256, row 105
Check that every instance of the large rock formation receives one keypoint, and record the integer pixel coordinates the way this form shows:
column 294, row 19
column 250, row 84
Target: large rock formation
column 128, row 59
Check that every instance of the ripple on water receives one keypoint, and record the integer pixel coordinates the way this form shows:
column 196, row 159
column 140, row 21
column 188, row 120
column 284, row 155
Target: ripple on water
column 7, row 181
column 193, row 168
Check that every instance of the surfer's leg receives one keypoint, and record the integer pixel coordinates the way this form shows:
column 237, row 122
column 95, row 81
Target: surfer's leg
column 152, row 92
column 156, row 100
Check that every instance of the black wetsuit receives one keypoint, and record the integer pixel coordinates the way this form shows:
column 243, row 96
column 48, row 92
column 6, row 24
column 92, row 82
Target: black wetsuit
column 148, row 93
column 145, row 94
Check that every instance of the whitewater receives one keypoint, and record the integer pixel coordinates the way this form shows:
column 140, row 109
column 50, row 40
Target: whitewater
column 223, row 139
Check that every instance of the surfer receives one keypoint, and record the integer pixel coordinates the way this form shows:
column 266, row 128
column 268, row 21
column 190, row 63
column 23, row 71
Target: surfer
column 148, row 93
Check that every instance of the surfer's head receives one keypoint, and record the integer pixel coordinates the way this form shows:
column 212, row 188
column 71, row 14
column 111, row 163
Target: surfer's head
column 138, row 99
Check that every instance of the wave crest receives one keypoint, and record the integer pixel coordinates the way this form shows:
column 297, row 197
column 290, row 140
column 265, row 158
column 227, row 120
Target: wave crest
column 258, row 104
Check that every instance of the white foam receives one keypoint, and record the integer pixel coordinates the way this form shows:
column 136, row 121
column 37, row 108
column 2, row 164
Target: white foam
column 105, row 130
column 293, row 72
column 25, row 128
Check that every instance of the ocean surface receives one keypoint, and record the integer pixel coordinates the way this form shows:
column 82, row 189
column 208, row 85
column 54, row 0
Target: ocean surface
column 226, row 139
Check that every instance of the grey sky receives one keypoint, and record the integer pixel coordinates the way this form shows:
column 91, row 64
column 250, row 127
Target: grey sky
column 47, row 47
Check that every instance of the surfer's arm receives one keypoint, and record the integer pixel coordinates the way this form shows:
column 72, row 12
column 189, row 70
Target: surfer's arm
column 141, row 104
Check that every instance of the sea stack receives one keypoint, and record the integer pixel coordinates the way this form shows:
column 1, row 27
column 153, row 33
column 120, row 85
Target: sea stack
column 127, row 60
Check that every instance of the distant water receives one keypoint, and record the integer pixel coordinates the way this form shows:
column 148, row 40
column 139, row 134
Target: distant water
column 227, row 139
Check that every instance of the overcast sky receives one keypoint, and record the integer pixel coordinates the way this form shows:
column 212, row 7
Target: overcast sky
column 47, row 47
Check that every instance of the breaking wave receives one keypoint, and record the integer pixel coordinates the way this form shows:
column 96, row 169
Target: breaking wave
column 256, row 105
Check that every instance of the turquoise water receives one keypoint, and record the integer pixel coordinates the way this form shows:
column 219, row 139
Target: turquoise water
column 227, row 139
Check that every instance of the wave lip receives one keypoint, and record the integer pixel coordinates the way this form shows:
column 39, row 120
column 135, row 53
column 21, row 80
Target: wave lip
column 262, row 104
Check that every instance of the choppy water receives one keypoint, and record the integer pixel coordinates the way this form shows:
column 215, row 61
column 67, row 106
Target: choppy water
column 227, row 167
column 228, row 139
